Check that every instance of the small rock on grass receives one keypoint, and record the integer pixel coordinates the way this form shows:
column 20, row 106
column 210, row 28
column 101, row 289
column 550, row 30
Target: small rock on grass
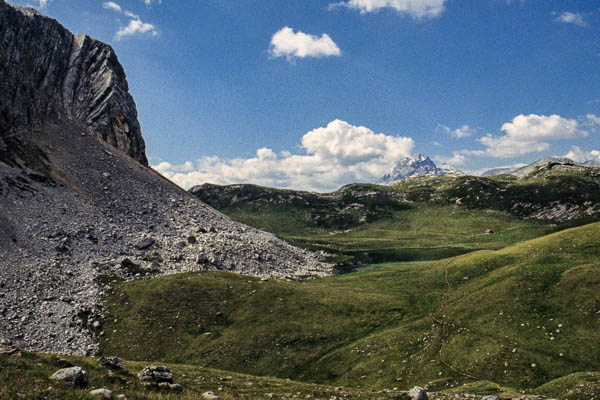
column 418, row 393
column 103, row 393
column 209, row 396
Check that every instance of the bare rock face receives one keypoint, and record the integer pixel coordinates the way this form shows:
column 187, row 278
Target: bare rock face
column 62, row 76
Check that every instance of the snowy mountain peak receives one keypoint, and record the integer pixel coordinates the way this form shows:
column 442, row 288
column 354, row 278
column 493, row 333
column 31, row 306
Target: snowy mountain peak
column 419, row 166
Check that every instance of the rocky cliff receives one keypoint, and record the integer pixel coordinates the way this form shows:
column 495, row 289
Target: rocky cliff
column 79, row 209
column 48, row 74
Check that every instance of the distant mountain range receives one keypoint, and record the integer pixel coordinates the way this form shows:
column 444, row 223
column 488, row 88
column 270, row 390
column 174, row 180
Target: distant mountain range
column 422, row 165
column 527, row 169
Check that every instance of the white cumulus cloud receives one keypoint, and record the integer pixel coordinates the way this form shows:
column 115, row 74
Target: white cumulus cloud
column 417, row 9
column 135, row 24
column 334, row 155
column 292, row 45
column 458, row 133
column 457, row 159
column 570, row 18
column 579, row 155
column 111, row 5
column 531, row 133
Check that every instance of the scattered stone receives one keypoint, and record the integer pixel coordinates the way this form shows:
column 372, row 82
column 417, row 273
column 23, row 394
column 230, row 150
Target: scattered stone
column 74, row 376
column 104, row 393
column 176, row 387
column 154, row 373
column 418, row 393
column 112, row 362
column 209, row 396
column 180, row 245
column 144, row 244
column 191, row 239
column 489, row 231
column 122, row 397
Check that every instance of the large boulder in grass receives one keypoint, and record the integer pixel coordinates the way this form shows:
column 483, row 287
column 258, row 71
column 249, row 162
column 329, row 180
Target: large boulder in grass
column 155, row 373
column 74, row 376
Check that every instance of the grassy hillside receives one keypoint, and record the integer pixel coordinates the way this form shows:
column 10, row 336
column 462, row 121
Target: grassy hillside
column 423, row 218
column 27, row 376
column 520, row 317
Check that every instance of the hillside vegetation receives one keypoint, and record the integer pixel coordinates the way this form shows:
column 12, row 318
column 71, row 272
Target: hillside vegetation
column 422, row 218
column 520, row 317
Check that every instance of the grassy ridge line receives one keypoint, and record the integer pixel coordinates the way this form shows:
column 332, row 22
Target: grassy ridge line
column 373, row 329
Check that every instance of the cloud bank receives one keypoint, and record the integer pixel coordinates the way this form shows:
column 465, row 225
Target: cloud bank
column 579, row 155
column 417, row 9
column 336, row 154
column 532, row 133
column 291, row 45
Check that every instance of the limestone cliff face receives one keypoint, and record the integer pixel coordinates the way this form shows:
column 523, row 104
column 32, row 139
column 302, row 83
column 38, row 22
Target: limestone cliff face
column 47, row 74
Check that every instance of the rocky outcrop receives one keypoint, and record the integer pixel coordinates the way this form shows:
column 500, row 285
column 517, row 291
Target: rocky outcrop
column 48, row 74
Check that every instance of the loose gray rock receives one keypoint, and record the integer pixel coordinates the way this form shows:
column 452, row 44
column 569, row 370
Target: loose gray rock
column 418, row 393
column 112, row 362
column 209, row 396
column 74, row 376
column 104, row 393
column 145, row 243
column 155, row 373
column 176, row 387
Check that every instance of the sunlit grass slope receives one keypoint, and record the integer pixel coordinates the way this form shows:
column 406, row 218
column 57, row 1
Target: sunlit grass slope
column 519, row 317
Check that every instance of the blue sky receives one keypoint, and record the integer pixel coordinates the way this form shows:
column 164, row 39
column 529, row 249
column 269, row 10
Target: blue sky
column 315, row 94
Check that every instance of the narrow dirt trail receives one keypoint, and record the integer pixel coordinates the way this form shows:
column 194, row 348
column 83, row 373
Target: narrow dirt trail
column 444, row 324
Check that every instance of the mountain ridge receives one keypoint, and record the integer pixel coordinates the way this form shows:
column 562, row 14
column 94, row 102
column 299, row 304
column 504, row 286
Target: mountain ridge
column 409, row 167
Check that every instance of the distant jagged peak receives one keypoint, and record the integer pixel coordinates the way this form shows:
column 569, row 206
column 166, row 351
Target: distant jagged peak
column 421, row 165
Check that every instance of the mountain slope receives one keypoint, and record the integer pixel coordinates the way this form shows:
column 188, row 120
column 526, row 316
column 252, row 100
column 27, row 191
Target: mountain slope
column 78, row 207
